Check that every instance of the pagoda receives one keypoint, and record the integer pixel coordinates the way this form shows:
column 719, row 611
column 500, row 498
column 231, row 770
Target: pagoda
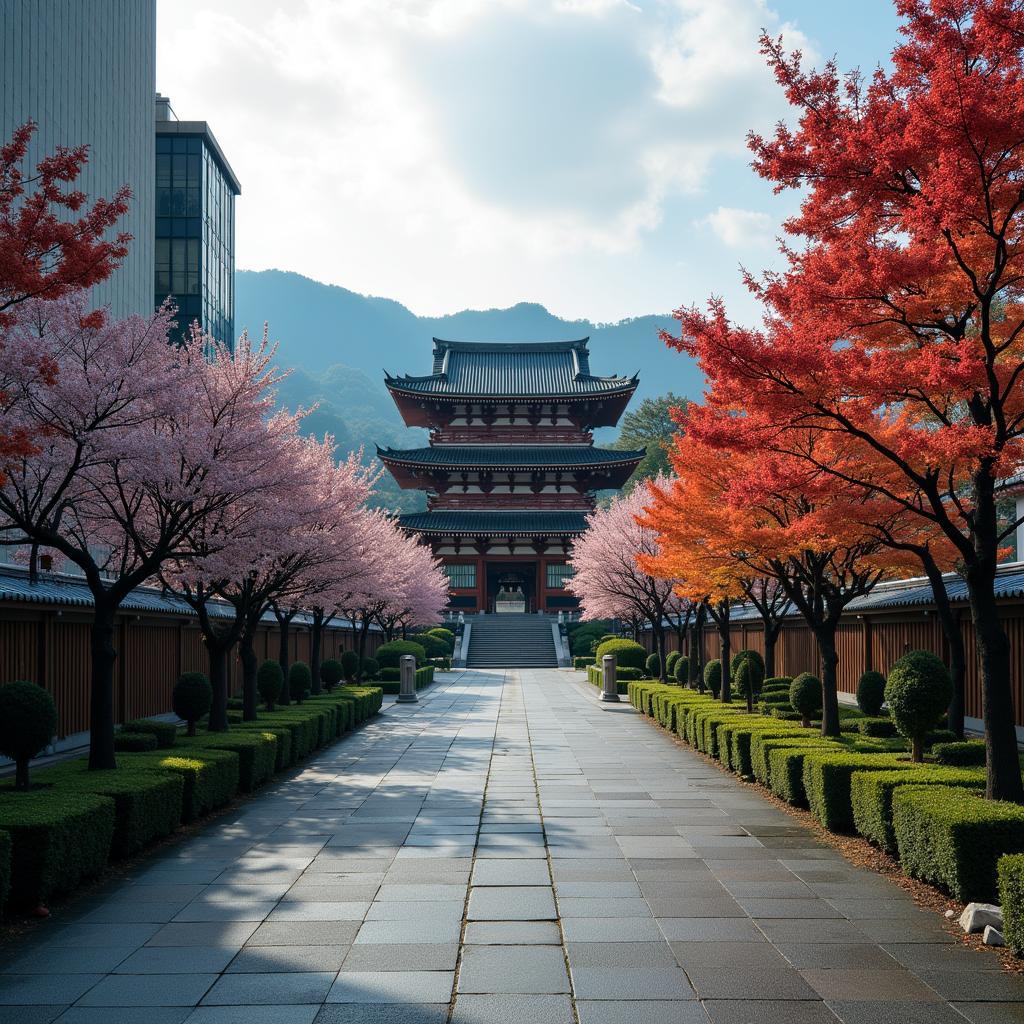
column 511, row 468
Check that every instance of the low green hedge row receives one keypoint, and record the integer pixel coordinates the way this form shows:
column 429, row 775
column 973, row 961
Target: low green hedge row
column 66, row 829
column 582, row 663
column 424, row 677
column 953, row 839
column 1011, row 899
column 165, row 732
column 932, row 816
column 59, row 839
column 960, row 753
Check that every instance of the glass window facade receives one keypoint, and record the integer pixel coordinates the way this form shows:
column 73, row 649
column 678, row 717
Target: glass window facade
column 461, row 575
column 558, row 576
column 195, row 235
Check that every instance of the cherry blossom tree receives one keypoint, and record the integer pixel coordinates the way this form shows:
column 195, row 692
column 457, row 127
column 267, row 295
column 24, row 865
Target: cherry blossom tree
column 133, row 455
column 606, row 577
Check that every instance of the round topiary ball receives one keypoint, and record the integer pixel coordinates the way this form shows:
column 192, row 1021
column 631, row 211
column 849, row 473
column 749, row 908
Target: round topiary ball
column 670, row 663
column 918, row 693
column 749, row 678
column 370, row 668
column 331, row 673
column 653, row 666
column 805, row 696
column 350, row 664
column 681, row 671
column 300, row 681
column 269, row 680
column 740, row 658
column 192, row 698
column 28, row 720
column 628, row 653
column 713, row 676
column 871, row 693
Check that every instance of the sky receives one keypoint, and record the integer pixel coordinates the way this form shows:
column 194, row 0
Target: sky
column 585, row 154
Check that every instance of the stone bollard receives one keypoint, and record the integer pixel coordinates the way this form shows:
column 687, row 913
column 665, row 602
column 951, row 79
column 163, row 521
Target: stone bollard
column 407, row 679
column 609, row 687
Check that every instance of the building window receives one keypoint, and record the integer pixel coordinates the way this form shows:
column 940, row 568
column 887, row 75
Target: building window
column 558, row 576
column 461, row 575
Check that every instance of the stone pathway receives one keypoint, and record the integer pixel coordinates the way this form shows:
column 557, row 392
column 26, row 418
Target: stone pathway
column 507, row 851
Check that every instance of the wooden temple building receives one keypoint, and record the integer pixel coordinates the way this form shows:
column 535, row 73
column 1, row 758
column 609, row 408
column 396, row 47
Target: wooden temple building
column 511, row 468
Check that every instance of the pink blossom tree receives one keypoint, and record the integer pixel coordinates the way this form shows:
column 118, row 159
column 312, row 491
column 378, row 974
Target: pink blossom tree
column 135, row 454
column 606, row 577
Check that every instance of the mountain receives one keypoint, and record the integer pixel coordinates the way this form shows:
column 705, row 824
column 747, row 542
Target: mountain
column 339, row 343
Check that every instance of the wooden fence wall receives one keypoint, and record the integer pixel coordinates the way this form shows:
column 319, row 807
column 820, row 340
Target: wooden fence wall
column 50, row 646
column 874, row 641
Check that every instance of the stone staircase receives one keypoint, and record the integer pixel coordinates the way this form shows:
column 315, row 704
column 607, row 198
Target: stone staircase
column 511, row 641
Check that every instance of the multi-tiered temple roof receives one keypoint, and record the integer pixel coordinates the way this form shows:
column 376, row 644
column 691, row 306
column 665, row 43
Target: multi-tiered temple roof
column 511, row 469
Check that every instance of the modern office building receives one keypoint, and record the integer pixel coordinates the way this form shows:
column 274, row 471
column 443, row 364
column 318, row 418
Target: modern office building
column 195, row 225
column 85, row 72
column 511, row 469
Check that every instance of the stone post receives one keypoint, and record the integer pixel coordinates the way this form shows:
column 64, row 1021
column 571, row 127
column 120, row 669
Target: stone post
column 407, row 683
column 609, row 687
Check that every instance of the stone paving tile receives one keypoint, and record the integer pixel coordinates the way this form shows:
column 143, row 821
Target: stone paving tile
column 338, row 896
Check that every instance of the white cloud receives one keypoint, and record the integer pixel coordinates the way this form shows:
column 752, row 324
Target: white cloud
column 741, row 229
column 452, row 153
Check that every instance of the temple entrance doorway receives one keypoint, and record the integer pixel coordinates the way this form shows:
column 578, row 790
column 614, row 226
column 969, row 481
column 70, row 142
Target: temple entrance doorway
column 511, row 588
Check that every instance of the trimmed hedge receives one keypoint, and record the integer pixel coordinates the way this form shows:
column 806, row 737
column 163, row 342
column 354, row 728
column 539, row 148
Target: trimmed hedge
column 424, row 677
column 165, row 732
column 388, row 654
column 871, row 693
column 871, row 797
column 582, row 663
column 786, row 767
column 283, row 755
column 826, row 779
column 1011, row 898
column 953, row 839
column 879, row 727
column 134, row 741
column 256, row 750
column 628, row 653
column 58, row 838
column 147, row 803
column 960, row 753
column 209, row 777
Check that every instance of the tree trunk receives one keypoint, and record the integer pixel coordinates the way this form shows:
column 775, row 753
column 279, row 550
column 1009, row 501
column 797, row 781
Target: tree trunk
column 364, row 630
column 993, row 649
column 825, row 634
column 659, row 649
column 218, row 656
column 315, row 636
column 282, row 657
column 917, row 749
column 955, row 643
column 697, row 654
column 21, row 773
column 771, row 638
column 250, row 695
column 101, row 697
column 726, row 659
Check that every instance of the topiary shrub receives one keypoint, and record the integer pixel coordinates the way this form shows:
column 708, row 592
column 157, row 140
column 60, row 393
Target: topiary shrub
column 713, row 676
column 653, row 665
column 670, row 663
column 878, row 727
column 269, row 680
column 300, row 680
column 388, row 654
column 962, row 753
column 776, row 684
column 628, row 653
column 192, row 698
column 134, row 741
column 749, row 677
column 28, row 720
column 681, row 670
column 805, row 697
column 951, row 838
column 165, row 732
column 433, row 645
column 350, row 664
column 826, row 780
column 370, row 668
column 331, row 673
column 446, row 635
column 1011, row 899
column 918, row 693
column 871, row 693
column 742, row 656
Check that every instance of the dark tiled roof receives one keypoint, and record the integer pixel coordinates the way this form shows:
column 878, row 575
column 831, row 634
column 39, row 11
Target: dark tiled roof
column 500, row 523
column 66, row 590
column 510, row 456
column 520, row 369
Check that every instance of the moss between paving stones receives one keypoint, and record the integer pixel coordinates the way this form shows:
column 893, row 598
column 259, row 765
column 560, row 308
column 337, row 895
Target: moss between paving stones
column 871, row 796
column 59, row 838
column 953, row 839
